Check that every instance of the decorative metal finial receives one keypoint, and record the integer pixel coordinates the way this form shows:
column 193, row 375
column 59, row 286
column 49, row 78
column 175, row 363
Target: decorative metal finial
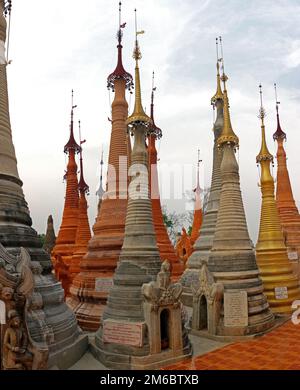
column 7, row 7
column 262, row 112
column 217, row 49
column 137, row 55
column 276, row 98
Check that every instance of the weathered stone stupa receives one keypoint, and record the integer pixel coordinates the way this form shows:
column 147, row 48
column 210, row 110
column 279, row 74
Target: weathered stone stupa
column 83, row 234
column 165, row 247
column 232, row 259
column 228, row 298
column 15, row 221
column 288, row 211
column 280, row 284
column 65, row 344
column 50, row 237
column 92, row 284
column 204, row 243
column 138, row 330
column 64, row 247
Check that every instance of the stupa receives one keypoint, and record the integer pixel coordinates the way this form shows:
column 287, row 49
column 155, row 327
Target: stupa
column 231, row 280
column 141, row 325
column 83, row 234
column 165, row 247
column 288, row 211
column 202, row 246
column 280, row 284
column 66, row 345
column 91, row 286
column 198, row 213
column 64, row 246
column 50, row 237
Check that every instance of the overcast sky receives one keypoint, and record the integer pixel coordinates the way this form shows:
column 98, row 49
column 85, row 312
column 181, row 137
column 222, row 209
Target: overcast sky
column 58, row 45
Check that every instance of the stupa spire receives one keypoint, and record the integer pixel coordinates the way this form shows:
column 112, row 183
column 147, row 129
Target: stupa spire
column 50, row 323
column 139, row 264
column 100, row 192
column 288, row 211
column 120, row 72
column 280, row 284
column 90, row 288
column 232, row 258
column 198, row 213
column 138, row 114
column 164, row 244
column 72, row 144
column 219, row 94
column 203, row 245
column 83, row 233
column 82, row 186
column 279, row 133
column 64, row 247
column 264, row 153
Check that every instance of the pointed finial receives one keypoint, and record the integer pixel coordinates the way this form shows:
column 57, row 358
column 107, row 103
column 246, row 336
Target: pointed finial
column 279, row 133
column 153, row 129
column 100, row 191
column 138, row 116
column 120, row 72
column 198, row 169
column 264, row 153
column 72, row 144
column 227, row 136
column 219, row 93
column 82, row 186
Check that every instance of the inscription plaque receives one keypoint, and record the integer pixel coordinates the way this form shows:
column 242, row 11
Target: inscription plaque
column 125, row 333
column 293, row 255
column 281, row 293
column 103, row 284
column 236, row 309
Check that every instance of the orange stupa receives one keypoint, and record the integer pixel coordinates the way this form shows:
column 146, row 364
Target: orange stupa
column 165, row 247
column 91, row 286
column 288, row 211
column 64, row 247
column 198, row 213
column 83, row 234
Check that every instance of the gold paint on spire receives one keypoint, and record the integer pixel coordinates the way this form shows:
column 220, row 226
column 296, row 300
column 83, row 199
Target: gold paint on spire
column 227, row 135
column 264, row 153
column 219, row 93
column 138, row 115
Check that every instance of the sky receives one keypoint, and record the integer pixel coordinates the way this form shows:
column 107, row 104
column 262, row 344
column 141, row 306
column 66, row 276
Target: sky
column 58, row 45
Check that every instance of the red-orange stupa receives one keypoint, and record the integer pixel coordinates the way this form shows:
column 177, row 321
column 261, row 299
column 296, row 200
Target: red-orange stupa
column 91, row 286
column 164, row 244
column 83, row 234
column 288, row 211
column 64, row 247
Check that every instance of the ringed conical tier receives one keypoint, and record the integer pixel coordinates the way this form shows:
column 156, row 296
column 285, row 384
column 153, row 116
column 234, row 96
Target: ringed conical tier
column 280, row 284
column 64, row 246
column 83, row 234
column 288, row 211
column 66, row 345
column 204, row 243
column 92, row 284
column 165, row 247
column 232, row 259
